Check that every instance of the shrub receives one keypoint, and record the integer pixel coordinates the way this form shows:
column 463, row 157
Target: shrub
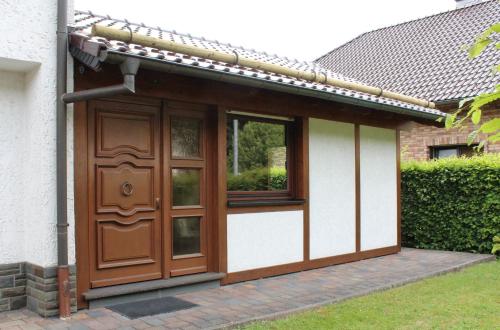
column 261, row 179
column 451, row 204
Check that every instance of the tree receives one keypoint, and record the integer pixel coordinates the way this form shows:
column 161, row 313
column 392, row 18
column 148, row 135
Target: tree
column 472, row 107
column 255, row 140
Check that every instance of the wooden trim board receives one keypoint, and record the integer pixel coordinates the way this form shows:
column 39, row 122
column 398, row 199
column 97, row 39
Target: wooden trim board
column 155, row 88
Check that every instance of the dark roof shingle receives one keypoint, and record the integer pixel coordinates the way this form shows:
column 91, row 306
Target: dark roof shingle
column 424, row 58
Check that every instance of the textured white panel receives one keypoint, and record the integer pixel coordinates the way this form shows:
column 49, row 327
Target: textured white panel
column 378, row 180
column 257, row 240
column 12, row 157
column 28, row 134
column 332, row 188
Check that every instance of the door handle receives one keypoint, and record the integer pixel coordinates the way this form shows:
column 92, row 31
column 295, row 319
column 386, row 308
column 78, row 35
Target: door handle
column 157, row 203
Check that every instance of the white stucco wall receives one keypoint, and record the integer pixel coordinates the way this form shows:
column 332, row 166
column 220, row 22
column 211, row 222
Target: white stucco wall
column 12, row 141
column 257, row 240
column 29, row 132
column 332, row 188
column 378, row 183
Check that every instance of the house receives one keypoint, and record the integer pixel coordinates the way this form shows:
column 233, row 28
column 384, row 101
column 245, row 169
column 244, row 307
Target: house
column 149, row 161
column 426, row 58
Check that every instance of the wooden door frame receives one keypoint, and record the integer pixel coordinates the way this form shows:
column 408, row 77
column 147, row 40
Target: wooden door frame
column 191, row 265
column 215, row 205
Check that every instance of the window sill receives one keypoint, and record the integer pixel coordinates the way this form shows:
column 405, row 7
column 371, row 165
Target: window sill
column 271, row 202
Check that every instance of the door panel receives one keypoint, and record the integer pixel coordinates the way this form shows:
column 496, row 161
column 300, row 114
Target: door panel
column 185, row 175
column 125, row 189
column 124, row 193
column 125, row 133
column 125, row 244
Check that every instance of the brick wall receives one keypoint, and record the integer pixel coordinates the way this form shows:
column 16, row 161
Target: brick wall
column 417, row 140
column 27, row 285
column 42, row 289
column 12, row 286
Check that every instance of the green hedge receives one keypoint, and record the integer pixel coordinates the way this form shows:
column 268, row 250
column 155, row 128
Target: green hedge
column 261, row 179
column 451, row 204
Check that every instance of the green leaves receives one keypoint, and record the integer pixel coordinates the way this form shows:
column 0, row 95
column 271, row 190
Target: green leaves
column 476, row 117
column 474, row 105
column 471, row 137
column 477, row 48
column 483, row 41
column 452, row 203
column 450, row 120
column 491, row 126
column 496, row 245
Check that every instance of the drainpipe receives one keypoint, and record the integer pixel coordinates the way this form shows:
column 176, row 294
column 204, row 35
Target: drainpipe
column 62, row 221
column 129, row 68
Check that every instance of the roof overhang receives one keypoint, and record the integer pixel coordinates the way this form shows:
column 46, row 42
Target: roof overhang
column 93, row 54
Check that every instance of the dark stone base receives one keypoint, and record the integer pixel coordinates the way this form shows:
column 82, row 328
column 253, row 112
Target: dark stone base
column 12, row 286
column 24, row 284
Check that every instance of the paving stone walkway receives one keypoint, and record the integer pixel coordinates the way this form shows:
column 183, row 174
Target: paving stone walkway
column 267, row 298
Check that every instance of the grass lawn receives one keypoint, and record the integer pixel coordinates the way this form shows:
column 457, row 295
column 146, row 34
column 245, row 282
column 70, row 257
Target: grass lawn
column 469, row 299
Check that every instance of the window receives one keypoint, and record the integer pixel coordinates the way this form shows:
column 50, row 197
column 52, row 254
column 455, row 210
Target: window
column 258, row 157
column 453, row 151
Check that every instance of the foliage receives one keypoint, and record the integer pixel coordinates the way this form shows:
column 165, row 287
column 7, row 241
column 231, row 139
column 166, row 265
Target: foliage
column 473, row 106
column 260, row 179
column 255, row 139
column 451, row 203
column 468, row 299
column 186, row 187
column 496, row 245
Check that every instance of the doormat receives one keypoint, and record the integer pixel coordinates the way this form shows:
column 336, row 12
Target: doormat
column 137, row 309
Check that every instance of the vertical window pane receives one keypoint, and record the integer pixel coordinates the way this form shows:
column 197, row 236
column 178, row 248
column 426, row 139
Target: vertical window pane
column 185, row 187
column 256, row 154
column 185, row 137
column 186, row 235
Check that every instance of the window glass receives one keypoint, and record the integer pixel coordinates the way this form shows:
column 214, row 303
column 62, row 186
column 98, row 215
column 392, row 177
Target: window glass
column 458, row 150
column 257, row 154
column 185, row 137
column 449, row 152
column 186, row 235
column 185, row 187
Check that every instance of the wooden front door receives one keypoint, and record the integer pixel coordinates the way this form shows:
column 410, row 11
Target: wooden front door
column 124, row 193
column 186, row 217
column 147, row 180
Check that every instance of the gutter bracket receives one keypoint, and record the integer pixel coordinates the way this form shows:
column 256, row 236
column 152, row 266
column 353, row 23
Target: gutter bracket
column 128, row 67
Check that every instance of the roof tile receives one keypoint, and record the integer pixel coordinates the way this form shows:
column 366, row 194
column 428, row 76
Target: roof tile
column 85, row 20
column 424, row 57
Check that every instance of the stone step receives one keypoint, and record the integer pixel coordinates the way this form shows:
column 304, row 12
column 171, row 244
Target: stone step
column 117, row 294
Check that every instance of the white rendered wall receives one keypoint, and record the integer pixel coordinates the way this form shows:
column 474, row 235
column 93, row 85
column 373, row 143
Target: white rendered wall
column 257, row 240
column 12, row 144
column 378, row 183
column 332, row 188
column 29, row 131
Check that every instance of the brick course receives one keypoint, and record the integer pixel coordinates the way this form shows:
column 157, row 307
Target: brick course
column 24, row 284
column 417, row 141
column 42, row 289
column 12, row 286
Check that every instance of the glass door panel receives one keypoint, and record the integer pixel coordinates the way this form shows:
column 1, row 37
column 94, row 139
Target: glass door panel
column 186, row 218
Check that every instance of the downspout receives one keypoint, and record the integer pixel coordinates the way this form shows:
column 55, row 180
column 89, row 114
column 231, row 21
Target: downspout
column 129, row 69
column 62, row 216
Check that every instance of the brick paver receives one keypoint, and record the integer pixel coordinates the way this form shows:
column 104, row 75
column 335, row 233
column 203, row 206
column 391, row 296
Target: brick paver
column 267, row 298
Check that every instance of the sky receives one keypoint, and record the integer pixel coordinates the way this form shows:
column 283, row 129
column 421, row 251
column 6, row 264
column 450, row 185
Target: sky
column 303, row 30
